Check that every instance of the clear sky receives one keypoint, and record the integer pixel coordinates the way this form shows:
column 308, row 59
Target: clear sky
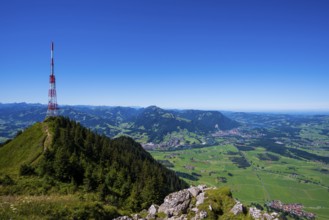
column 203, row 54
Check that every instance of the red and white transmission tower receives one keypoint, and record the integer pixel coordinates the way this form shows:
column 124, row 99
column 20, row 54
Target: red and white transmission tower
column 52, row 98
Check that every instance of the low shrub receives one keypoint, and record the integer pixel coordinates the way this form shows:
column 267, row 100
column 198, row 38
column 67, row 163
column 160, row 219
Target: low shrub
column 6, row 181
column 26, row 170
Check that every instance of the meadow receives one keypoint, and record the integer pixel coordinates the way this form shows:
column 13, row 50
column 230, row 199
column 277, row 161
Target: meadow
column 254, row 176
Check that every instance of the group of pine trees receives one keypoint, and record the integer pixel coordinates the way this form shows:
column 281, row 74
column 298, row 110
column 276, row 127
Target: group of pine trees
column 120, row 170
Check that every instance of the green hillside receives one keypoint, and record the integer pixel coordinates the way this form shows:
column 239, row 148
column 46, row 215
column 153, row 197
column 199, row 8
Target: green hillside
column 63, row 160
column 26, row 148
column 158, row 123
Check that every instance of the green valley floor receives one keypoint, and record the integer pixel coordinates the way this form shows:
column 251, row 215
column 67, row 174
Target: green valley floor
column 254, row 176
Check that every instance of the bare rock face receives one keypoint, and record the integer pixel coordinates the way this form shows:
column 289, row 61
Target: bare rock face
column 152, row 211
column 176, row 203
column 255, row 213
column 194, row 191
column 182, row 217
column 202, row 187
column 123, row 218
column 200, row 199
column 237, row 208
column 137, row 217
column 258, row 214
column 185, row 204
column 203, row 214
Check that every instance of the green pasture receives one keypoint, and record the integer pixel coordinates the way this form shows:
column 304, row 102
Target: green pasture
column 287, row 179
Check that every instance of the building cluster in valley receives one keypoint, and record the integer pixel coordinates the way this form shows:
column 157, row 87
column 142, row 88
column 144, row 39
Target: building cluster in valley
column 292, row 209
column 238, row 133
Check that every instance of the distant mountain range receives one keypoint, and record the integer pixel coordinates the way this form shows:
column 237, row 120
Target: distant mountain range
column 152, row 126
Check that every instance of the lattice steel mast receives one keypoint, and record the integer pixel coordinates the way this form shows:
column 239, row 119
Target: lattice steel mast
column 52, row 98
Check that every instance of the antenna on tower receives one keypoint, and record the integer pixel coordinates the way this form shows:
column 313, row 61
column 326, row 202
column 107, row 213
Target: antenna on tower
column 52, row 97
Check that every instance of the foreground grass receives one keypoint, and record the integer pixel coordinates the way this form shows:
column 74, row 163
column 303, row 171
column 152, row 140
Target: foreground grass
column 54, row 207
column 40, row 198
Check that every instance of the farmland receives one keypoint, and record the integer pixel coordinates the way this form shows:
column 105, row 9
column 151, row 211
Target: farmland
column 254, row 176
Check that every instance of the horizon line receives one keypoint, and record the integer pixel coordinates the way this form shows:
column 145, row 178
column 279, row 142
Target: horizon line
column 249, row 110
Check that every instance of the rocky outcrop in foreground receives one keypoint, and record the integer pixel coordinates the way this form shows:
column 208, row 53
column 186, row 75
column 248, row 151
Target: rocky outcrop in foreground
column 198, row 203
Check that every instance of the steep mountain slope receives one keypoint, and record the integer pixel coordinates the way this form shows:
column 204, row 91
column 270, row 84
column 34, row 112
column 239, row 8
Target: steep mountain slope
column 26, row 148
column 60, row 151
column 157, row 122
column 208, row 121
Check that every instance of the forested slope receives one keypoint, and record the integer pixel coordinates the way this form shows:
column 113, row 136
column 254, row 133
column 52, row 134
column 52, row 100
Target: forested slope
column 119, row 170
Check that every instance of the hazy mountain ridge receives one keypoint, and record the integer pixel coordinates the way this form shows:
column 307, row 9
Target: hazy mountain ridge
column 151, row 124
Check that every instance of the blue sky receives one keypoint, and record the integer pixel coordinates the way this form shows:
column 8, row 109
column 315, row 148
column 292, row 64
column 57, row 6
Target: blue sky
column 210, row 54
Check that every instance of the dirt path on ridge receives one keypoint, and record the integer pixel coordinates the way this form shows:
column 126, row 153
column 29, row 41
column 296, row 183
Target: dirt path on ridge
column 47, row 141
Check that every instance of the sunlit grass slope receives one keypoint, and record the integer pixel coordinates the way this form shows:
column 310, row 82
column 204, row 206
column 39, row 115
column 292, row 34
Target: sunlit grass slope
column 24, row 149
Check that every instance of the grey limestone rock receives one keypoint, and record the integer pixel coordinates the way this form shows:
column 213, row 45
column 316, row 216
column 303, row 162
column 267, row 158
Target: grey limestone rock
column 194, row 191
column 203, row 214
column 202, row 187
column 255, row 213
column 182, row 217
column 237, row 208
column 137, row 217
column 152, row 211
column 258, row 214
column 176, row 203
column 200, row 199
column 123, row 218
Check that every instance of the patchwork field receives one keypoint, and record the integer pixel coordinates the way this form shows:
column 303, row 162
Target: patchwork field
column 254, row 176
